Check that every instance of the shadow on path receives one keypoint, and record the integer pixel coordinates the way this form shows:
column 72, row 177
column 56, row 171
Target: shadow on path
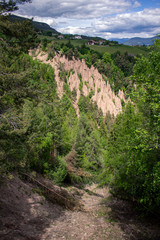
column 25, row 215
column 127, row 217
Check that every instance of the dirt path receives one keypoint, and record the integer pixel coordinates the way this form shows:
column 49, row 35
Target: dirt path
column 25, row 215
column 88, row 224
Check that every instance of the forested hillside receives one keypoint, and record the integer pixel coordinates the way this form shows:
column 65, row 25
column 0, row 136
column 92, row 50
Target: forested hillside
column 40, row 27
column 133, row 150
column 41, row 130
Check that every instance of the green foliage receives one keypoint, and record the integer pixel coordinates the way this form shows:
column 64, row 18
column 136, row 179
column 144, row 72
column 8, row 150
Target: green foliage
column 48, row 33
column 121, row 48
column 133, row 146
column 63, row 74
column 71, row 71
column 98, row 90
column 81, row 82
column 73, row 178
column 82, row 104
column 74, row 94
column 88, row 59
column 69, row 54
column 125, row 62
column 16, row 37
column 59, row 173
column 10, row 5
column 114, row 74
column 107, row 57
column 91, row 93
column 79, row 76
column 67, row 90
column 89, row 139
column 38, row 130
column 19, row 109
column 44, row 44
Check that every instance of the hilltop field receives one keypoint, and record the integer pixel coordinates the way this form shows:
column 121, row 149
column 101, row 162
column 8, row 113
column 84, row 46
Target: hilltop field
column 135, row 50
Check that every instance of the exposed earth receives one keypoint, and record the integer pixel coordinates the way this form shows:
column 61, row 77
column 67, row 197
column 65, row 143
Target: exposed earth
column 91, row 80
column 26, row 215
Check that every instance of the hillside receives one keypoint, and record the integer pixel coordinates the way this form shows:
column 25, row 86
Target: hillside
column 135, row 50
column 38, row 25
column 140, row 41
column 89, row 78
column 120, row 40
column 136, row 41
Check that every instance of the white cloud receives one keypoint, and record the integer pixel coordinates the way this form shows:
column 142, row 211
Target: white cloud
column 74, row 9
column 50, row 21
column 142, row 22
column 88, row 31
column 106, row 18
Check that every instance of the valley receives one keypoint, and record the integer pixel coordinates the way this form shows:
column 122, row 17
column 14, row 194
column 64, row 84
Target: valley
column 79, row 135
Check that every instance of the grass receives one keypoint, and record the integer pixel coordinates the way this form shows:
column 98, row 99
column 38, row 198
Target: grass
column 74, row 42
column 122, row 48
column 102, row 49
column 111, row 49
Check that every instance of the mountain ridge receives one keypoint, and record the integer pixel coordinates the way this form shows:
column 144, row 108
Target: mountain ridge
column 141, row 41
column 136, row 41
column 38, row 25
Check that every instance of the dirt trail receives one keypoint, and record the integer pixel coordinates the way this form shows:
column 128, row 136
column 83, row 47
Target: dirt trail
column 87, row 224
column 25, row 215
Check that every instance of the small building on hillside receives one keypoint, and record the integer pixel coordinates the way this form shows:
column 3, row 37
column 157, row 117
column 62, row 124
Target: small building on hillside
column 77, row 37
column 91, row 42
column 60, row 36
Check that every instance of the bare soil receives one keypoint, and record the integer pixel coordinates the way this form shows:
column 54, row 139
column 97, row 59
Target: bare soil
column 25, row 215
column 92, row 80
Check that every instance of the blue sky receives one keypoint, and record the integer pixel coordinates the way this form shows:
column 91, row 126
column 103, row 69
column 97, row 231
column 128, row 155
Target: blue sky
column 150, row 3
column 103, row 18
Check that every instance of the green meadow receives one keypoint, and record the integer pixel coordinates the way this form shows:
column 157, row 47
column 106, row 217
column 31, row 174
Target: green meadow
column 122, row 48
column 135, row 50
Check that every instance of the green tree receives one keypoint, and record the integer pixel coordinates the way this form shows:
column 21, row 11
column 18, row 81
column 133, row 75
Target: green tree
column 107, row 57
column 134, row 149
column 16, row 37
column 10, row 5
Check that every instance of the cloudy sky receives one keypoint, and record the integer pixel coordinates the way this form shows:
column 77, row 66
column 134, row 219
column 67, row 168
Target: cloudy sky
column 104, row 18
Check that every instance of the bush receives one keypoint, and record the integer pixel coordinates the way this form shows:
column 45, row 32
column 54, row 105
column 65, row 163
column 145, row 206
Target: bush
column 60, row 172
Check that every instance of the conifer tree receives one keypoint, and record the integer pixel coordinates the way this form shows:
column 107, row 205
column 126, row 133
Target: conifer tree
column 7, row 6
column 134, row 141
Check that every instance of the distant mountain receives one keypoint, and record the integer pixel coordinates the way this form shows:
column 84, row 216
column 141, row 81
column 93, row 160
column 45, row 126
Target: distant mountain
column 140, row 41
column 119, row 40
column 38, row 25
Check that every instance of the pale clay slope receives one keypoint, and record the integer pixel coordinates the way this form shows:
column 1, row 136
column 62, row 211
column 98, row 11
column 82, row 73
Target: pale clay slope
column 104, row 96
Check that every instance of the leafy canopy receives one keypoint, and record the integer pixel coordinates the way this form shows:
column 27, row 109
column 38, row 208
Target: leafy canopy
column 10, row 5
